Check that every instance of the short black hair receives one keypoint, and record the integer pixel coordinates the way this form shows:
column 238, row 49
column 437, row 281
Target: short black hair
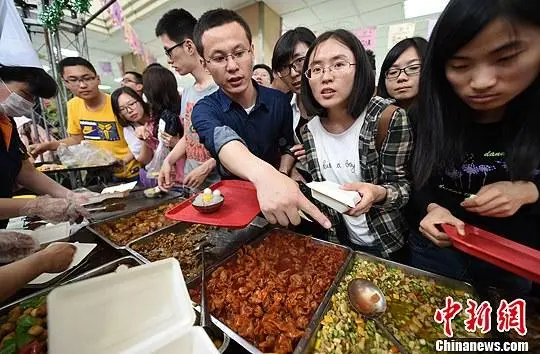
column 364, row 78
column 418, row 43
column 216, row 18
column 138, row 77
column 267, row 68
column 40, row 84
column 284, row 48
column 177, row 24
column 75, row 61
column 116, row 107
column 371, row 58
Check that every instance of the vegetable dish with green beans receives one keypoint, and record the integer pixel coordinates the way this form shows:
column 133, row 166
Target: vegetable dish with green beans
column 24, row 329
column 411, row 304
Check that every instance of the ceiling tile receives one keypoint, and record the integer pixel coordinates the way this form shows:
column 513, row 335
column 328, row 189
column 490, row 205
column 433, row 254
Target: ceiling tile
column 282, row 7
column 334, row 10
column 303, row 17
column 383, row 16
column 367, row 6
column 313, row 2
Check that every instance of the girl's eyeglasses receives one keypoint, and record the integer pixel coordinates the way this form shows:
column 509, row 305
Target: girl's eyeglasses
column 337, row 68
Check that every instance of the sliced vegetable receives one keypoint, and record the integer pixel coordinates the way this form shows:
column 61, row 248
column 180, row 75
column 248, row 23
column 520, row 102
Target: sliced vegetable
column 9, row 347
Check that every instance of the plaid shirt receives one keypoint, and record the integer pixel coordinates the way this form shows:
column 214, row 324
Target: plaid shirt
column 387, row 168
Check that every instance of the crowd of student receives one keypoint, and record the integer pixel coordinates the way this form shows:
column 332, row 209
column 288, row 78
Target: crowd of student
column 448, row 119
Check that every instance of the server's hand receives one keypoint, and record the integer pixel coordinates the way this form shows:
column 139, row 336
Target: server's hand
column 15, row 245
column 54, row 209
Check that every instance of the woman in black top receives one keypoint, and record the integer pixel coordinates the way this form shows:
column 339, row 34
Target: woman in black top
column 478, row 134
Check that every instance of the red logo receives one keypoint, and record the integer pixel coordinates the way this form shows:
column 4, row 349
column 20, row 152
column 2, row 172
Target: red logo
column 512, row 316
column 447, row 314
column 478, row 317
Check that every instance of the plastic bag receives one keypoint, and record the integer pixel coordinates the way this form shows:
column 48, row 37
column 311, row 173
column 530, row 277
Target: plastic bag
column 15, row 246
column 153, row 167
column 84, row 154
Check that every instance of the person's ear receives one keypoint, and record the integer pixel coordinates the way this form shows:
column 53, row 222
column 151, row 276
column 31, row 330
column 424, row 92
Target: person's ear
column 190, row 47
column 98, row 80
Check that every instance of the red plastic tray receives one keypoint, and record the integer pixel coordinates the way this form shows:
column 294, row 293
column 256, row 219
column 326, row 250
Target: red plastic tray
column 239, row 208
column 504, row 253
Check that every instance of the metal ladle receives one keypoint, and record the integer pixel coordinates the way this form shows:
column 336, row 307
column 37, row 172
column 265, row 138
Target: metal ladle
column 368, row 300
column 206, row 322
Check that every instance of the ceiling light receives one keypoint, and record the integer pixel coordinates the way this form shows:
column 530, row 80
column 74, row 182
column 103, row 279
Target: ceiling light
column 104, row 87
column 416, row 8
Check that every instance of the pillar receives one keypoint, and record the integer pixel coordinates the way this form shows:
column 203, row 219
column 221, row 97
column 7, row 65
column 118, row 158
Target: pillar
column 265, row 26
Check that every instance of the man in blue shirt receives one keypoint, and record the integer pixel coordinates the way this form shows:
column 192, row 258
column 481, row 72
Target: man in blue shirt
column 246, row 127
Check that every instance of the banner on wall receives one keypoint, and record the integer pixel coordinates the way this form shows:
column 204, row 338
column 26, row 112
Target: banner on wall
column 399, row 32
column 117, row 17
column 431, row 24
column 105, row 68
column 367, row 36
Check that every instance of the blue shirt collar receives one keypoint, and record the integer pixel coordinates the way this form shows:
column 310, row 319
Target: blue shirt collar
column 260, row 101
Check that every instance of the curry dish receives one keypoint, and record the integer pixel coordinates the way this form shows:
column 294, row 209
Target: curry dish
column 269, row 292
column 129, row 228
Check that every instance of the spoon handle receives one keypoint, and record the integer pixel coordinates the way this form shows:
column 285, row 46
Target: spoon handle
column 390, row 336
column 205, row 315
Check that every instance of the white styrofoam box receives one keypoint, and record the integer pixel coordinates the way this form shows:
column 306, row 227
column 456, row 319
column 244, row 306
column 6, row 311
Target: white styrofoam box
column 195, row 341
column 83, row 250
column 126, row 187
column 138, row 310
column 330, row 194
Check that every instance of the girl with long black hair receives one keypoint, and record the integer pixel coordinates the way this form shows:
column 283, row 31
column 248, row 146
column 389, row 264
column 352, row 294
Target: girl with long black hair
column 477, row 153
column 400, row 71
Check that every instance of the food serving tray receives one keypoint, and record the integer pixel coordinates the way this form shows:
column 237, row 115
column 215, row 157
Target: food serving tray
column 94, row 227
column 317, row 315
column 449, row 282
column 239, row 208
column 224, row 241
column 134, row 201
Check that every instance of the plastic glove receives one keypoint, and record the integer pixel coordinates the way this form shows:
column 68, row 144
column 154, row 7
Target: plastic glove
column 54, row 209
column 80, row 197
column 15, row 245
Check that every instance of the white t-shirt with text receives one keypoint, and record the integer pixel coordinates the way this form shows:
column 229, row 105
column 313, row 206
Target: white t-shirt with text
column 340, row 163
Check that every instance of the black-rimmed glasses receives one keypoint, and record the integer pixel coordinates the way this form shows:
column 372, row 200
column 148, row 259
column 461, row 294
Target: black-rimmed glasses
column 168, row 51
column 411, row 70
column 297, row 65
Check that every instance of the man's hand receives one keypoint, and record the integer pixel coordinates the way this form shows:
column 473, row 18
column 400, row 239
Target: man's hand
column 197, row 176
column 370, row 193
column 501, row 199
column 280, row 199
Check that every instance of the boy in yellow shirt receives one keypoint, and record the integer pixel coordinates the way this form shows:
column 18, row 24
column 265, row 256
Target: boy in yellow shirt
column 90, row 117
